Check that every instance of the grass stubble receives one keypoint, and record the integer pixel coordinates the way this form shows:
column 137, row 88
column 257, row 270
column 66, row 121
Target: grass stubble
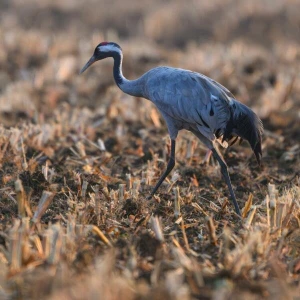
column 78, row 158
column 86, row 234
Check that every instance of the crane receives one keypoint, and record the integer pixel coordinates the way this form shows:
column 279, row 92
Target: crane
column 191, row 101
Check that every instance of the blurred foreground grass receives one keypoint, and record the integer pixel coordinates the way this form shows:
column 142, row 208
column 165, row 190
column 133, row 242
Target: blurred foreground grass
column 78, row 157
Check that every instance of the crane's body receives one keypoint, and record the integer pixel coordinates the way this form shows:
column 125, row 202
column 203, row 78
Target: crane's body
column 191, row 101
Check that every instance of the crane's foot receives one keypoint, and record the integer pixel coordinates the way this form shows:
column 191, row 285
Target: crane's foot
column 149, row 197
column 152, row 198
column 225, row 174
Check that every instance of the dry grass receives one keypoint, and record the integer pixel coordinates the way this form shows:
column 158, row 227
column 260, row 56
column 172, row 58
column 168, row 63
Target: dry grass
column 78, row 157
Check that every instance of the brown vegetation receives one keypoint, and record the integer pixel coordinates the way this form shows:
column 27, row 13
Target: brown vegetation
column 78, row 157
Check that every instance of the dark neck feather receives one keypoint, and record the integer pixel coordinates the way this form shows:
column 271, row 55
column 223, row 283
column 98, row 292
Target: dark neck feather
column 131, row 87
column 119, row 78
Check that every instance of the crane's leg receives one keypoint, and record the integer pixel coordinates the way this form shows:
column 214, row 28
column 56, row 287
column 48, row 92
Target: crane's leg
column 224, row 172
column 170, row 167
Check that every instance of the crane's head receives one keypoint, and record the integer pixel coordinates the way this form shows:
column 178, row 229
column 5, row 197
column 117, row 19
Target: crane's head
column 103, row 50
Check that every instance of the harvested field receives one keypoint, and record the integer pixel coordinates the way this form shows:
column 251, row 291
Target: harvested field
column 79, row 157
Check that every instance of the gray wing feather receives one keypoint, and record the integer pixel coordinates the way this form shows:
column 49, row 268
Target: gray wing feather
column 189, row 97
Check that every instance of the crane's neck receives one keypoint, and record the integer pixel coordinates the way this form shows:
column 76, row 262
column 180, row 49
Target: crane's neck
column 131, row 87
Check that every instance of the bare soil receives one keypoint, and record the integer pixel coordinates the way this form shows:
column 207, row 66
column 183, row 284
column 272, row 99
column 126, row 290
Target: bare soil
column 79, row 158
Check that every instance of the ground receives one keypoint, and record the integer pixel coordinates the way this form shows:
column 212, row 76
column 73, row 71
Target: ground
column 79, row 158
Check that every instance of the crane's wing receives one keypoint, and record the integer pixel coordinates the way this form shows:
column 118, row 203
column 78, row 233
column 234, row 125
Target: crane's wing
column 189, row 97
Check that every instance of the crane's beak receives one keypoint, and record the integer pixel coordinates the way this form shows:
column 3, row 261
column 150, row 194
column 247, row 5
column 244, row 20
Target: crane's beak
column 89, row 63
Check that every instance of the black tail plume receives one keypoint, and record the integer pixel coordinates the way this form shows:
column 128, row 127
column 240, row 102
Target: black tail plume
column 258, row 152
column 247, row 125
